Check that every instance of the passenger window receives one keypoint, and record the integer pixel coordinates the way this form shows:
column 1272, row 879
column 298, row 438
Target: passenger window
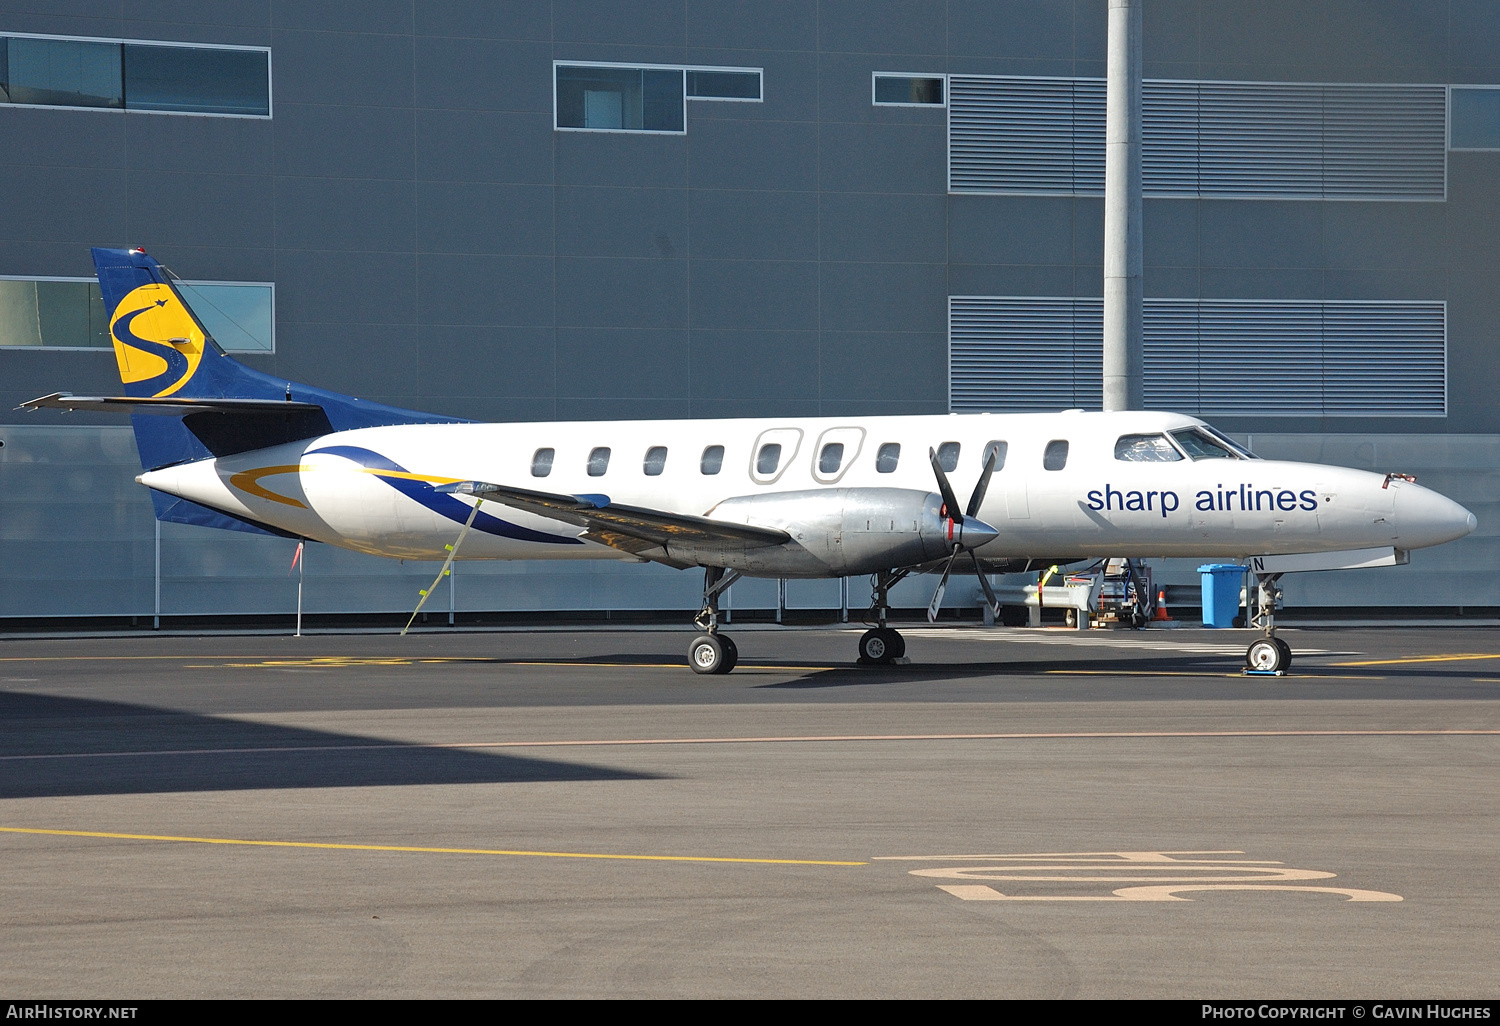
column 598, row 461
column 999, row 449
column 768, row 459
column 1056, row 455
column 713, row 460
column 831, row 458
column 887, row 458
column 541, row 462
column 1146, row 449
column 1201, row 447
column 656, row 460
column 947, row 454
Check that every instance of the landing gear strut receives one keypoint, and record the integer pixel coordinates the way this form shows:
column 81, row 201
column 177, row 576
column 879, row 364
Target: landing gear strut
column 883, row 645
column 712, row 652
column 1268, row 654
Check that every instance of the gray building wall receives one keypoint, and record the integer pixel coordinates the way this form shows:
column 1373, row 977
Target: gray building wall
column 436, row 244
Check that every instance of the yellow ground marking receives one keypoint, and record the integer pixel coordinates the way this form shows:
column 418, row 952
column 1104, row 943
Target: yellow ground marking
column 421, row 850
column 1457, row 657
column 1190, row 673
column 789, row 739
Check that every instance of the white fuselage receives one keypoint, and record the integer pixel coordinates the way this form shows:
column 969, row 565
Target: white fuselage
column 370, row 489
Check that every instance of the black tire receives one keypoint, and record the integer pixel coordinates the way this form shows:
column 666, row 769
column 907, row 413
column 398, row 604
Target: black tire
column 731, row 652
column 1286, row 653
column 707, row 654
column 895, row 642
column 1267, row 655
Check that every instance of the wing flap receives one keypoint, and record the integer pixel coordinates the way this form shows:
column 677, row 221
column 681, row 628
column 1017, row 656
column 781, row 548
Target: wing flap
column 620, row 526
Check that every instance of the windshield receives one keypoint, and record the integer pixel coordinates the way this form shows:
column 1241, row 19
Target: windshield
column 1146, row 449
column 1236, row 446
column 1200, row 445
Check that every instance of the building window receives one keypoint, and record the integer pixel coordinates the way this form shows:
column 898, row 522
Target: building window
column 598, row 461
column 656, row 461
column 541, row 462
column 68, row 313
column 712, row 461
column 642, row 98
column 716, row 84
column 1230, row 140
column 130, row 75
column 1320, row 358
column 886, row 458
column 617, row 99
column 1474, row 119
column 909, row 90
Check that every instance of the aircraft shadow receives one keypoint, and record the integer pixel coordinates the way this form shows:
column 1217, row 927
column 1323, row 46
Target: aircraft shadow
column 206, row 753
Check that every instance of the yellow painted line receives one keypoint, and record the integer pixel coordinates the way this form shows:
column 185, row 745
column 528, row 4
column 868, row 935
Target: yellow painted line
column 421, row 850
column 1457, row 657
column 1187, row 673
column 789, row 739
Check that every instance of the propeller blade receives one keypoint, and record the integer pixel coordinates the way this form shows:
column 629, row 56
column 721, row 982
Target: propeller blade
column 937, row 596
column 949, row 499
column 989, row 593
column 983, row 486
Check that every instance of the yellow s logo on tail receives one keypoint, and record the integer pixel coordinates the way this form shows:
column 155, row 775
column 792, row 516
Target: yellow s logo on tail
column 157, row 342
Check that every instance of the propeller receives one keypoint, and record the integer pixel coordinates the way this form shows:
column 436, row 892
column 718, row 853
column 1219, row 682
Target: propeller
column 966, row 532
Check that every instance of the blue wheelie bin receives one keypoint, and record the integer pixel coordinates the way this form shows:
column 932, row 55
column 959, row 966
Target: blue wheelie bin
column 1221, row 593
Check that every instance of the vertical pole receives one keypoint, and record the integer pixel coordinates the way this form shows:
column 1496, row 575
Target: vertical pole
column 451, row 567
column 844, row 599
column 301, row 573
column 156, row 604
column 1123, row 389
column 780, row 597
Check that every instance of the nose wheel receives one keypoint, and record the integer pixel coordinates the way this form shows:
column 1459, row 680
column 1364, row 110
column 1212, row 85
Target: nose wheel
column 1268, row 655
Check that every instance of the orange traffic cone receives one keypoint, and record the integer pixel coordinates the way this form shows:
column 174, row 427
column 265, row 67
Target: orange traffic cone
column 1161, row 607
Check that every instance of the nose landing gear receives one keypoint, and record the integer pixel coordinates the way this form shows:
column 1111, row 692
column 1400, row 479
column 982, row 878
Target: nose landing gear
column 1269, row 655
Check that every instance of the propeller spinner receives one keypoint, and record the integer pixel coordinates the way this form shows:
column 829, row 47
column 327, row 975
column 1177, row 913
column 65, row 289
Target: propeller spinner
column 966, row 532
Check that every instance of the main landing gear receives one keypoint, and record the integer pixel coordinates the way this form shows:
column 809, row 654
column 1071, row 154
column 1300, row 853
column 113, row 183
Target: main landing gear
column 712, row 652
column 1268, row 654
column 883, row 645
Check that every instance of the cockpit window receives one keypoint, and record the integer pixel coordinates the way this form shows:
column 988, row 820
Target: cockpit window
column 1200, row 445
column 1233, row 445
column 1146, row 449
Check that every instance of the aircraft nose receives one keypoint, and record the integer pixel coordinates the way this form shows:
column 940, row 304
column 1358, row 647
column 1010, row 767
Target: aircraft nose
column 1423, row 517
column 976, row 532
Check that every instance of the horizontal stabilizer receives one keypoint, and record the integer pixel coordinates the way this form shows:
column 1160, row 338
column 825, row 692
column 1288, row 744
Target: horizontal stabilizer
column 628, row 528
column 174, row 407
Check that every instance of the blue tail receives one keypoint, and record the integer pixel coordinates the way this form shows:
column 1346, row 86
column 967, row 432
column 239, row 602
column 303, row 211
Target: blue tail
column 163, row 351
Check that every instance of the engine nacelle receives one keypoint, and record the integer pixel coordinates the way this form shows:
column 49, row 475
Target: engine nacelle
column 836, row 532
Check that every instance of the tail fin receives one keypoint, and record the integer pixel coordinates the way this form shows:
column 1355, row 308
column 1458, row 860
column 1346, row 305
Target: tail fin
column 164, row 351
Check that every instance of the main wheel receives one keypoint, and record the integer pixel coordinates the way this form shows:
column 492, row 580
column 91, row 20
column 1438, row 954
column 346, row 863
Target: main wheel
column 709, row 654
column 731, row 652
column 881, row 646
column 1268, row 655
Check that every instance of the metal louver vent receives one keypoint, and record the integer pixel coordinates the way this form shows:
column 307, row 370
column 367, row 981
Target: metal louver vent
column 1211, row 356
column 1028, row 135
column 1213, row 139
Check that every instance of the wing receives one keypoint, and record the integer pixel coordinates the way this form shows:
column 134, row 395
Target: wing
column 172, row 407
column 634, row 529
